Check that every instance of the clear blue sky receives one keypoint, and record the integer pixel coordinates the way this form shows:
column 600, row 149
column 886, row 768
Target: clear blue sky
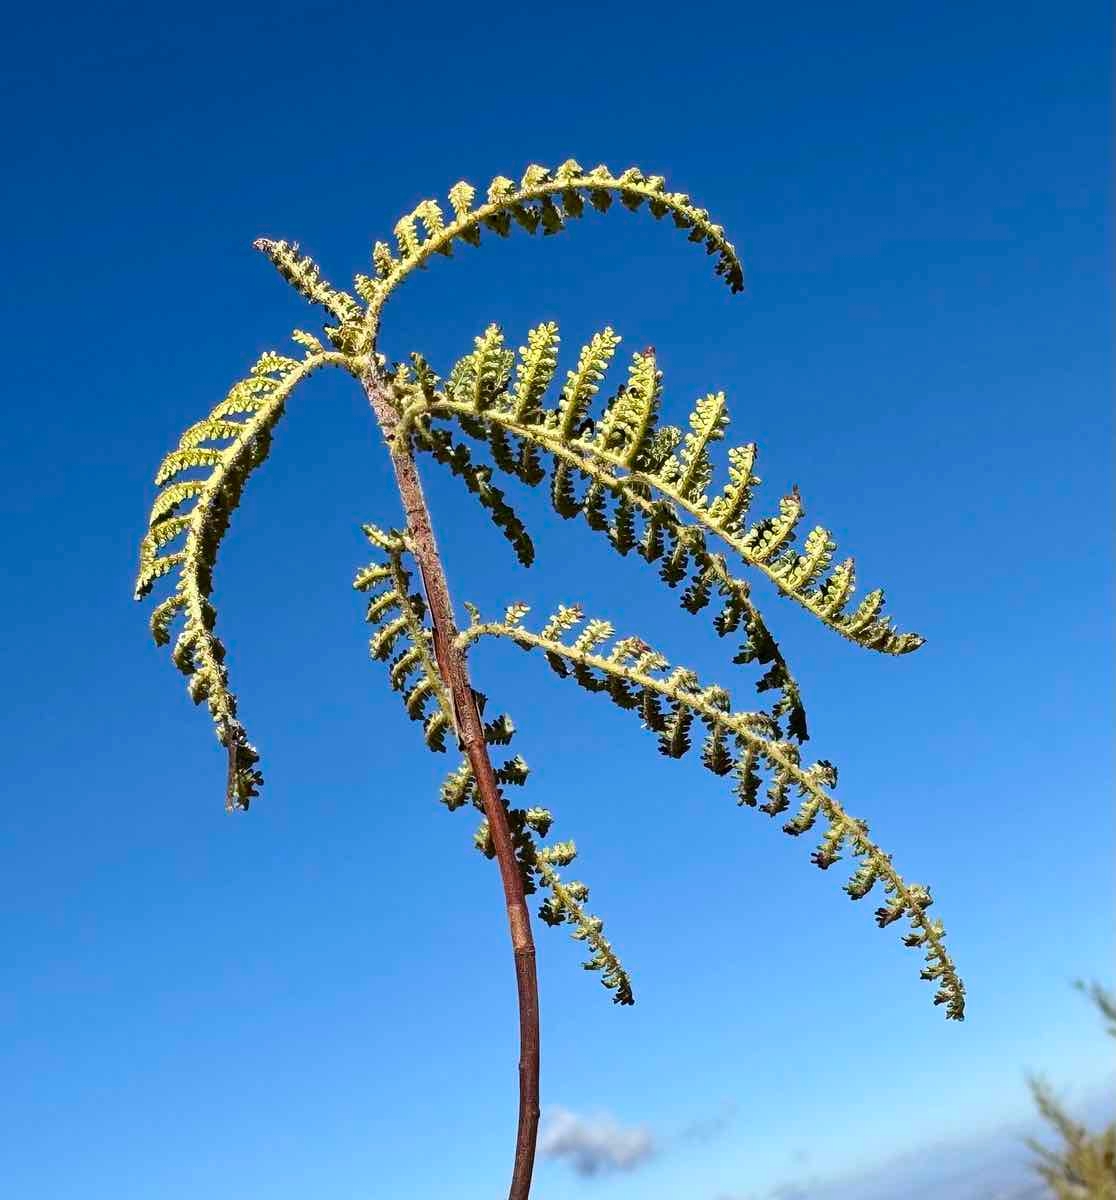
column 265, row 1005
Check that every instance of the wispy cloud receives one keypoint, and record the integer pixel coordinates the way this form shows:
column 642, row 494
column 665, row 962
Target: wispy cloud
column 706, row 1129
column 595, row 1144
column 992, row 1165
column 599, row 1143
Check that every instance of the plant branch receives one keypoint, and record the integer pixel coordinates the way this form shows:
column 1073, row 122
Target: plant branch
column 470, row 734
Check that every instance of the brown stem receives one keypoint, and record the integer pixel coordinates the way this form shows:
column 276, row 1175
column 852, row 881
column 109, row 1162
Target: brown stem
column 470, row 730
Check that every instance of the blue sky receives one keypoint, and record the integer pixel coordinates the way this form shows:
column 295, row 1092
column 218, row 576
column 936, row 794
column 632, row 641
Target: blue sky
column 317, row 997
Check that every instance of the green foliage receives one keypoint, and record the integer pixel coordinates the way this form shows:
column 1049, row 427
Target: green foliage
column 563, row 906
column 645, row 485
column 628, row 459
column 404, row 640
column 633, row 676
column 401, row 638
column 227, row 446
column 1085, row 1166
column 304, row 275
column 542, row 200
column 631, row 458
column 477, row 376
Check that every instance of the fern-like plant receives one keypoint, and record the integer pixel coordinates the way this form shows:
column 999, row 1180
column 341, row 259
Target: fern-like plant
column 1084, row 1166
column 645, row 485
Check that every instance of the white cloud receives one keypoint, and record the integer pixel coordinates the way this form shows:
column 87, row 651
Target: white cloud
column 595, row 1144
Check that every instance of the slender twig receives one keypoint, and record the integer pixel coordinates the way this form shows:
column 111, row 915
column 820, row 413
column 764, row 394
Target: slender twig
column 470, row 733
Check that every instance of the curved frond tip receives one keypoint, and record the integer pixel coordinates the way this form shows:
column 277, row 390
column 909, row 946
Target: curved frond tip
column 542, row 200
column 633, row 675
column 227, row 445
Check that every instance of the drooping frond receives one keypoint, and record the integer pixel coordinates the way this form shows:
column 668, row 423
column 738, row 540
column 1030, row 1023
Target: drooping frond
column 400, row 620
column 564, row 904
column 402, row 638
column 197, row 509
column 628, row 458
column 629, row 418
column 543, row 199
column 633, row 675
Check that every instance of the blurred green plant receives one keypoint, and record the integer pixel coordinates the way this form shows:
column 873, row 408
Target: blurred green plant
column 1084, row 1168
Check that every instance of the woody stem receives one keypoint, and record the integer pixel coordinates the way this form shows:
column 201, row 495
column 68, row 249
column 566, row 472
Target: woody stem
column 470, row 732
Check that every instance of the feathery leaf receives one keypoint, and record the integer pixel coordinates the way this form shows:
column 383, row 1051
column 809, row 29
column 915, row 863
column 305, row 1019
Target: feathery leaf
column 198, row 652
column 756, row 741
